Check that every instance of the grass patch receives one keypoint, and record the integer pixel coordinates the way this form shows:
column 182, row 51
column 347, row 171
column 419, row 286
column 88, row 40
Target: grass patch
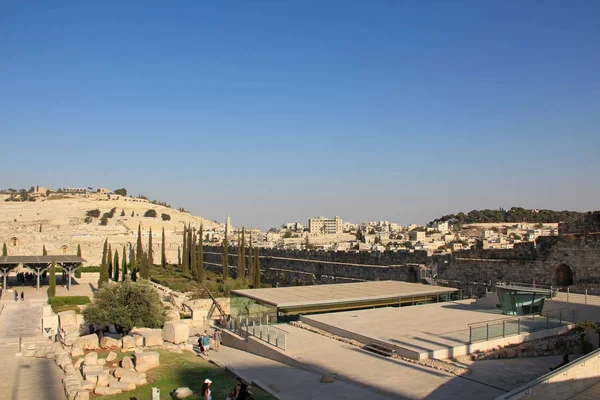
column 66, row 303
column 177, row 370
column 89, row 269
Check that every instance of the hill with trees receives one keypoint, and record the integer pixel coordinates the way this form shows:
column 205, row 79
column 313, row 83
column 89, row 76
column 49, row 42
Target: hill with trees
column 513, row 215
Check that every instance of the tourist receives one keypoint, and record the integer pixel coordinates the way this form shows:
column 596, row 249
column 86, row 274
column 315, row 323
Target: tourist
column 231, row 395
column 22, row 296
column 563, row 363
column 240, row 390
column 206, row 343
column 206, row 393
column 200, row 344
column 217, row 339
column 16, row 296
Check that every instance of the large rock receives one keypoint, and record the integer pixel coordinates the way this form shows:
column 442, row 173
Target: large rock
column 90, row 358
column 122, row 372
column 78, row 362
column 110, row 343
column 182, row 393
column 106, row 391
column 136, row 380
column 153, row 340
column 67, row 320
column 77, row 352
column 126, row 363
column 147, row 360
column 176, row 332
column 88, row 385
column 87, row 342
column 82, row 395
column 173, row 315
column 123, row 386
column 139, row 340
column 112, row 356
column 128, row 342
column 102, row 379
column 92, row 370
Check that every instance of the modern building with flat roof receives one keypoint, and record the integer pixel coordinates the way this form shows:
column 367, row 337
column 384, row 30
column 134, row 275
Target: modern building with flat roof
column 288, row 303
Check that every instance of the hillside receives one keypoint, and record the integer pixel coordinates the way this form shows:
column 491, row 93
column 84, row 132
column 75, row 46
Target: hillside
column 58, row 223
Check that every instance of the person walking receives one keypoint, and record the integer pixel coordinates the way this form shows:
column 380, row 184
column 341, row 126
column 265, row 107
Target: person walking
column 206, row 343
column 206, row 392
column 22, row 296
column 200, row 344
column 217, row 339
column 16, row 296
column 240, row 390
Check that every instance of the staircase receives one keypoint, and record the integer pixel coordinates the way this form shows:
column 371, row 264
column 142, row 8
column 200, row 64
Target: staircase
column 381, row 350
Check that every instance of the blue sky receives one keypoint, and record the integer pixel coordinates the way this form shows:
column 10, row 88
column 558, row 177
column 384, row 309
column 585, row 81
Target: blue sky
column 276, row 111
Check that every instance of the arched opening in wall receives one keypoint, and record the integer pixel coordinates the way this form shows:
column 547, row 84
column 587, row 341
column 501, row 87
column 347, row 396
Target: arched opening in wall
column 563, row 275
column 14, row 242
column 412, row 275
column 65, row 249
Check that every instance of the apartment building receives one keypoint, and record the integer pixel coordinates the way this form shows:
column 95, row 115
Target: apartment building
column 327, row 226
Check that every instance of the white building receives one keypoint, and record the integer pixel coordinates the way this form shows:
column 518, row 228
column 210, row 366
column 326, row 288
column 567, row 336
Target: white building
column 322, row 225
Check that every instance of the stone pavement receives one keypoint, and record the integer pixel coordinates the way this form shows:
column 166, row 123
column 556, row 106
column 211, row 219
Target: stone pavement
column 290, row 383
column 591, row 393
column 84, row 286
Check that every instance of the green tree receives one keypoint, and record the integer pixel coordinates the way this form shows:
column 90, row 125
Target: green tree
column 163, row 250
column 242, row 270
column 151, row 213
column 225, row 257
column 44, row 252
column 139, row 254
column 132, row 214
column 104, row 266
column 109, row 261
column 116, row 266
column 165, row 217
column 184, row 255
column 256, row 269
column 4, row 250
column 122, row 213
column 193, row 254
column 287, row 234
column 78, row 271
column 200, row 257
column 121, row 192
column 124, row 263
column 52, row 280
column 190, row 249
column 250, row 261
column 150, row 259
column 126, row 305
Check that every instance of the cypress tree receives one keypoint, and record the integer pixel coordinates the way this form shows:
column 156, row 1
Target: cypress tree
column 132, row 263
column 52, row 280
column 140, row 247
column 116, row 266
column 190, row 249
column 134, row 274
column 163, row 251
column 149, row 259
column 193, row 259
column 78, row 270
column 225, row 257
column 242, row 272
column 256, row 270
column 44, row 252
column 186, row 259
column 132, row 214
column 124, row 262
column 4, row 250
column 104, row 266
column 109, row 261
column 250, row 261
column 200, row 257
column 239, row 255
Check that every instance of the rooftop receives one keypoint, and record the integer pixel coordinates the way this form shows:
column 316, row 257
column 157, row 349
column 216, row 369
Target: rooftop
column 16, row 260
column 289, row 297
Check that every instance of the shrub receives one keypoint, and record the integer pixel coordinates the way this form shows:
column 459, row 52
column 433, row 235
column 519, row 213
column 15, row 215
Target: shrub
column 165, row 217
column 88, row 219
column 126, row 305
column 104, row 220
column 59, row 301
column 93, row 213
column 89, row 269
column 150, row 213
column 122, row 192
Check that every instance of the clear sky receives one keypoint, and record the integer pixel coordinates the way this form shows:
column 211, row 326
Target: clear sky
column 275, row 111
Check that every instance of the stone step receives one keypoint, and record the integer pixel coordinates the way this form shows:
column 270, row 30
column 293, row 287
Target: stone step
column 380, row 349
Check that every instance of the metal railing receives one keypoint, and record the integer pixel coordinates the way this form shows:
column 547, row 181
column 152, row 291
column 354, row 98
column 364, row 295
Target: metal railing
column 265, row 332
column 497, row 328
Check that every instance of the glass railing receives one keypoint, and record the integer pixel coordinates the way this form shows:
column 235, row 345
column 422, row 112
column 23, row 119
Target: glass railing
column 264, row 331
column 493, row 329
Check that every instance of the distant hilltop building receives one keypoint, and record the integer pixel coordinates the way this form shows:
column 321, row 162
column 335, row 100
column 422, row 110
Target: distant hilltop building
column 322, row 225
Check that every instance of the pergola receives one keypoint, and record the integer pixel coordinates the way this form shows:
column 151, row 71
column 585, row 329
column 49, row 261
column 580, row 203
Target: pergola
column 39, row 264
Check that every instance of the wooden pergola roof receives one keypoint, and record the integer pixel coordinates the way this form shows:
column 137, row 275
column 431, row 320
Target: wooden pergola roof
column 40, row 260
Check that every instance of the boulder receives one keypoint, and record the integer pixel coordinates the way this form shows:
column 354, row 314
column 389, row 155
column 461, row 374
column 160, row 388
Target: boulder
column 88, row 385
column 126, row 363
column 78, row 362
column 102, row 379
column 82, row 395
column 90, row 358
column 67, row 319
column 327, row 379
column 87, row 342
column 110, row 343
column 147, row 360
column 137, row 381
column 91, row 370
column 176, row 332
column 122, row 372
column 128, row 342
column 123, row 386
column 77, row 352
column 111, row 356
column 106, row 391
column 173, row 315
column 101, row 361
column 182, row 393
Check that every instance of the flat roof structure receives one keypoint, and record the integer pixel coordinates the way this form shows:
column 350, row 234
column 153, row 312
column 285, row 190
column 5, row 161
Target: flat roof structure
column 297, row 300
column 39, row 264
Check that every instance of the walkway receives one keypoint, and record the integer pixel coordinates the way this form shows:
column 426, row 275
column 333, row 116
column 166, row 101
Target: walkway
column 591, row 393
column 290, row 383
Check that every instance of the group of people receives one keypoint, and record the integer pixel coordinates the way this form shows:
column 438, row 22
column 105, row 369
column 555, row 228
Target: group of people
column 17, row 296
column 204, row 341
column 241, row 391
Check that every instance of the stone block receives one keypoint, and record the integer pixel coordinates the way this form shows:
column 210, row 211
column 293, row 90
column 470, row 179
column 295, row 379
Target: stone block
column 127, row 363
column 87, row 342
column 101, row 361
column 122, row 372
column 106, row 391
column 50, row 323
column 78, row 362
column 139, row 340
column 88, row 385
column 110, row 343
column 123, row 386
column 182, row 393
column 90, row 370
column 153, row 340
column 82, row 395
column 173, row 315
column 128, row 342
column 90, row 358
column 67, row 319
column 102, row 379
column 111, row 356
column 176, row 332
column 147, row 360
column 138, row 381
